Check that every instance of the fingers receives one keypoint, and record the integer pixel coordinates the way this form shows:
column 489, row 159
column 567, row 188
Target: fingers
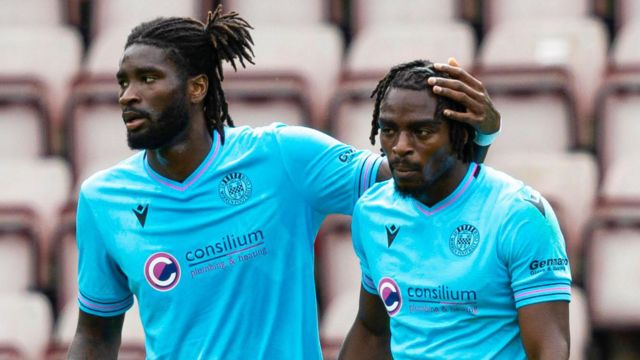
column 464, row 95
column 456, row 72
column 455, row 86
column 472, row 119
column 465, row 89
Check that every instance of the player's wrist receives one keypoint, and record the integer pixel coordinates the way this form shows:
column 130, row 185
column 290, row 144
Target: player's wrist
column 483, row 139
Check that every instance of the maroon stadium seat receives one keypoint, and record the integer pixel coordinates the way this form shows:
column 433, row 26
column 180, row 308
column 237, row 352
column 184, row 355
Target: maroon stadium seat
column 612, row 261
column 351, row 109
column 499, row 11
column 26, row 323
column 576, row 45
column 386, row 14
column 19, row 256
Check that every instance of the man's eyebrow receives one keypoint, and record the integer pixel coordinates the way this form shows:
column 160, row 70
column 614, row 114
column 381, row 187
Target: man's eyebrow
column 147, row 69
column 419, row 122
column 426, row 122
column 140, row 70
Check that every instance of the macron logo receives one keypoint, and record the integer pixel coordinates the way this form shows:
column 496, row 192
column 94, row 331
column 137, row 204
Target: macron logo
column 392, row 231
column 141, row 213
column 537, row 202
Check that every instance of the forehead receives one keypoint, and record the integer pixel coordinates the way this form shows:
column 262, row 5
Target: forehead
column 138, row 56
column 408, row 104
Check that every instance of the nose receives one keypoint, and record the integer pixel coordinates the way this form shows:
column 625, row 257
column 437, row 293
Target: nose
column 402, row 146
column 128, row 96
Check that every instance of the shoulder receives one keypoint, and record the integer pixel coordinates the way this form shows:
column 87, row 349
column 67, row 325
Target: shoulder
column 246, row 132
column 303, row 146
column 129, row 170
column 275, row 134
column 277, row 129
column 301, row 137
column 515, row 199
column 380, row 195
column 244, row 135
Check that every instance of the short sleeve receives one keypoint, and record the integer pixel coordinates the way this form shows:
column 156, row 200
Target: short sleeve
column 356, row 231
column 329, row 174
column 535, row 253
column 103, row 289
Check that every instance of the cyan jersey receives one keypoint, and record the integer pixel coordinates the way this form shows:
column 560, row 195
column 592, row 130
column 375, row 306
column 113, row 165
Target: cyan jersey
column 452, row 276
column 222, row 263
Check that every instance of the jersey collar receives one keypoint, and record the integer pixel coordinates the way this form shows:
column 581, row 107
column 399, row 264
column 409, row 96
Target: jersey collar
column 470, row 176
column 200, row 170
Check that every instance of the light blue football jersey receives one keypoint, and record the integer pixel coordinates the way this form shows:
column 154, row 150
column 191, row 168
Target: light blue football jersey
column 221, row 264
column 452, row 276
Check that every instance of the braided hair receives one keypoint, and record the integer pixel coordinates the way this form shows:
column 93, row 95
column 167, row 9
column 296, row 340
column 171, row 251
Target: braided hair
column 198, row 48
column 413, row 76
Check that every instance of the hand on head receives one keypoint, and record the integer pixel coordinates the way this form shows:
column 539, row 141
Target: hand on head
column 470, row 92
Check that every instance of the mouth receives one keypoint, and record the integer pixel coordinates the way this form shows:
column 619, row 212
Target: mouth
column 133, row 120
column 135, row 124
column 405, row 170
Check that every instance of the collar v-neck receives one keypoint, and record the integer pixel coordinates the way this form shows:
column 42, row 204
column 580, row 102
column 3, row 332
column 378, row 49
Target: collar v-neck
column 194, row 176
column 461, row 189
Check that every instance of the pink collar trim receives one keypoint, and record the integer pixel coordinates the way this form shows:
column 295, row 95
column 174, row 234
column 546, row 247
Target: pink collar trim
column 193, row 177
column 457, row 193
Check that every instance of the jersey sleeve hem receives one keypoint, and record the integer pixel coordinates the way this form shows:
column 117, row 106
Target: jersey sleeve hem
column 367, row 284
column 104, row 308
column 368, row 173
column 545, row 293
column 543, row 299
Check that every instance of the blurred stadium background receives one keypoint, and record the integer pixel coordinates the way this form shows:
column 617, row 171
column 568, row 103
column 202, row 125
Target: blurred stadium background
column 565, row 74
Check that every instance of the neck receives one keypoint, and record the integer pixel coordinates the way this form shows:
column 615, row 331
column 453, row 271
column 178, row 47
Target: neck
column 182, row 157
column 444, row 185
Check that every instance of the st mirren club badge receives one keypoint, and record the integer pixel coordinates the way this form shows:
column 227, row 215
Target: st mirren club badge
column 235, row 188
column 464, row 240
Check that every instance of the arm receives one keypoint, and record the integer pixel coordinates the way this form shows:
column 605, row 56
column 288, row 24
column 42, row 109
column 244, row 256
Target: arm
column 328, row 174
column 96, row 337
column 369, row 337
column 384, row 171
column 544, row 328
column 540, row 276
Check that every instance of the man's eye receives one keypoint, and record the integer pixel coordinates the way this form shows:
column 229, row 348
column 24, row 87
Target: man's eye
column 423, row 132
column 148, row 79
column 123, row 84
column 386, row 131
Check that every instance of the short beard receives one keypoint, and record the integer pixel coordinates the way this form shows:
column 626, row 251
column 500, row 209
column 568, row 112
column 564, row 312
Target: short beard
column 420, row 190
column 164, row 131
column 413, row 192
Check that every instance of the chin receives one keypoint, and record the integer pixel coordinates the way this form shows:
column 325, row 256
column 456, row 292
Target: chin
column 142, row 142
column 406, row 190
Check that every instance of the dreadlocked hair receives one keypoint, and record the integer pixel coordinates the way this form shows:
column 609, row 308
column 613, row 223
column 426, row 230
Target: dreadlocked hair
column 413, row 76
column 198, row 48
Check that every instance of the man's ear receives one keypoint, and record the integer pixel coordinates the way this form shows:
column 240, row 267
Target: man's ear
column 197, row 87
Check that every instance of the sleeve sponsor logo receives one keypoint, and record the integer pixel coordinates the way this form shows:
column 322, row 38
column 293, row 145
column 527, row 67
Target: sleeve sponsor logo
column 551, row 264
column 347, row 155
